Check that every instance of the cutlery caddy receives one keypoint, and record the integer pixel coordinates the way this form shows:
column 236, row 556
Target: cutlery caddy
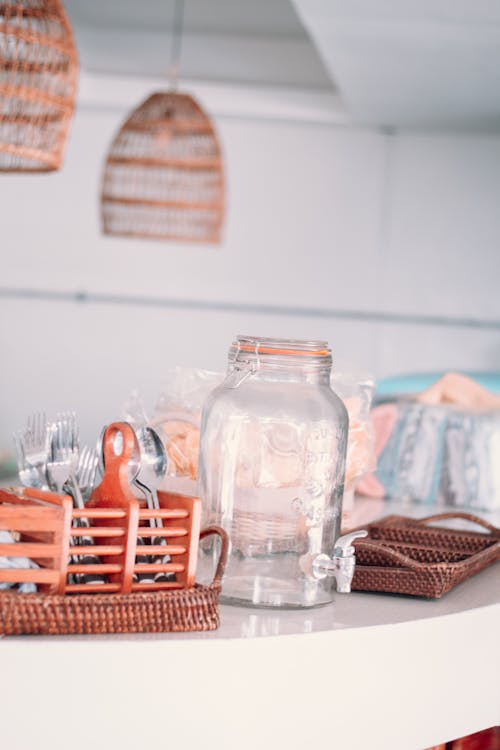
column 410, row 556
column 46, row 528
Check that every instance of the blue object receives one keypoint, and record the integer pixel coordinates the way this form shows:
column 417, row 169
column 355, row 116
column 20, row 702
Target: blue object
column 403, row 385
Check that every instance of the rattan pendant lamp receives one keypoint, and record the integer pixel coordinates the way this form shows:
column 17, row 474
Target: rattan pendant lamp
column 38, row 76
column 163, row 177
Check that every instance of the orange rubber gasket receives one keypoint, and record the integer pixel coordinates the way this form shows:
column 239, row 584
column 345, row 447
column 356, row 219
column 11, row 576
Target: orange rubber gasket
column 270, row 350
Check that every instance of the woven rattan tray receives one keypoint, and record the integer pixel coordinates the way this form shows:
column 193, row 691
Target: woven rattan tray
column 189, row 609
column 407, row 556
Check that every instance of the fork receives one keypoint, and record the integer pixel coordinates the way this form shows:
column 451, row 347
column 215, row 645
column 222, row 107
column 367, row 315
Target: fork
column 63, row 470
column 69, row 435
column 86, row 473
column 28, row 476
column 59, row 462
column 35, row 442
column 64, row 454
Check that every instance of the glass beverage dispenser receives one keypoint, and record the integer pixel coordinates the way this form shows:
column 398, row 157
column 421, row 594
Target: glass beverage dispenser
column 272, row 462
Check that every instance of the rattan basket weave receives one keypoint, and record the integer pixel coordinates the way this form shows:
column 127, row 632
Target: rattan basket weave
column 38, row 76
column 181, row 610
column 95, row 576
column 163, row 176
column 407, row 556
column 190, row 609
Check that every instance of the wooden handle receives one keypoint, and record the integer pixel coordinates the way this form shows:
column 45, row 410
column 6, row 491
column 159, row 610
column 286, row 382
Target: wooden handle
column 116, row 467
column 115, row 492
column 459, row 514
column 115, row 488
column 224, row 551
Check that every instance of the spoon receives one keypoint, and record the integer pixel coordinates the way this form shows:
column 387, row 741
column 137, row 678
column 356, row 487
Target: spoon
column 154, row 463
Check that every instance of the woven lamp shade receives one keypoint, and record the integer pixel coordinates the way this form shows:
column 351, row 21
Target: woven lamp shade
column 163, row 176
column 38, row 76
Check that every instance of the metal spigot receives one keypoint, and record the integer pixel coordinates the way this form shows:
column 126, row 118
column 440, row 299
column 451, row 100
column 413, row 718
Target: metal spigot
column 341, row 564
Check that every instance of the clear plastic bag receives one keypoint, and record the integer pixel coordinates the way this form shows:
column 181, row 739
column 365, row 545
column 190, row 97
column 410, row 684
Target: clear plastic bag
column 176, row 417
column 356, row 390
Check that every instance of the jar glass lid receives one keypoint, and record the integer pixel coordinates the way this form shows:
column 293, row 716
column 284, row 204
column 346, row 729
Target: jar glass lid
column 281, row 347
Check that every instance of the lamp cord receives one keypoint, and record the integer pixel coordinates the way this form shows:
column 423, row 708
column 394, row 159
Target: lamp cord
column 177, row 29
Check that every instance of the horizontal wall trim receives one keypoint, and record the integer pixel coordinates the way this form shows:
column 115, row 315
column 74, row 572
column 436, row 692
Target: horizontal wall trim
column 362, row 316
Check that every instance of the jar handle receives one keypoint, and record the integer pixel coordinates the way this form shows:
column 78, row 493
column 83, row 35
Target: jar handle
column 236, row 377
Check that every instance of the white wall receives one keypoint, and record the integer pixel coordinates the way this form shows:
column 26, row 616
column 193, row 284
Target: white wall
column 323, row 217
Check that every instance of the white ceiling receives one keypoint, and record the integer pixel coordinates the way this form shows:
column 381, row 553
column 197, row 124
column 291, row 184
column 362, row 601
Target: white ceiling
column 245, row 41
column 267, row 17
column 412, row 63
column 415, row 64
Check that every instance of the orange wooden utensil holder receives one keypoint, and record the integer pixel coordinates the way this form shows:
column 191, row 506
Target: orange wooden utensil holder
column 42, row 525
column 42, row 522
column 118, row 520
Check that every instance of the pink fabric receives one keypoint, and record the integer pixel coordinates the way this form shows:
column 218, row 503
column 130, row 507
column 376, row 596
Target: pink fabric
column 452, row 388
column 383, row 420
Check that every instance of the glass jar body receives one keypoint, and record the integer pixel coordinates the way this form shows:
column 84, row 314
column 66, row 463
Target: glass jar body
column 271, row 473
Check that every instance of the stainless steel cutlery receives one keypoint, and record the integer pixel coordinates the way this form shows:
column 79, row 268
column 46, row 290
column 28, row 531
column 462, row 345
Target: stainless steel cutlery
column 49, row 458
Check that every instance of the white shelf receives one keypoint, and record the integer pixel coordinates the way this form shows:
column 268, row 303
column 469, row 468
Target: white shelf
column 370, row 670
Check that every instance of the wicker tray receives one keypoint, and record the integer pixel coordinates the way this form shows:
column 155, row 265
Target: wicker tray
column 185, row 610
column 407, row 556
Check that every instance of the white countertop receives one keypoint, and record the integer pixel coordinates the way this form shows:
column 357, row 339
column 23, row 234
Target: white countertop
column 369, row 670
